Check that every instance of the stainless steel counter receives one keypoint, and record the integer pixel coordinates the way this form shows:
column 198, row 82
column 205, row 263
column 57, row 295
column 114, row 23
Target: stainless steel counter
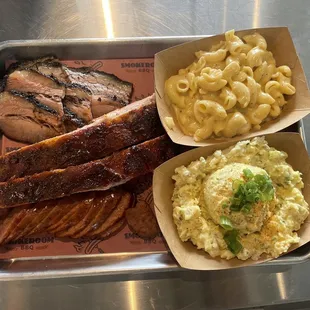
column 267, row 287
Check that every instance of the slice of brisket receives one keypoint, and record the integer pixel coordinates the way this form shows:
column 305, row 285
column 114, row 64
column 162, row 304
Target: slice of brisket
column 30, row 81
column 108, row 91
column 77, row 107
column 25, row 118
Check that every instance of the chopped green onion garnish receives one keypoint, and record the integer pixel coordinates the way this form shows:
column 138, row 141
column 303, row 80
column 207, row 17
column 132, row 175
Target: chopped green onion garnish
column 255, row 188
column 231, row 239
column 236, row 184
column 226, row 223
column 248, row 174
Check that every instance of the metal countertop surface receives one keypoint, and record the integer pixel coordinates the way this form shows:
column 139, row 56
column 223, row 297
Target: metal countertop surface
column 260, row 287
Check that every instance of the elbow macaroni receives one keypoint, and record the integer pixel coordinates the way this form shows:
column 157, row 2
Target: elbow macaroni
column 229, row 90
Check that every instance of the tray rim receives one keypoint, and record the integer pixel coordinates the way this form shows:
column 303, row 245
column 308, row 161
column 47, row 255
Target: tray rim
column 108, row 263
column 47, row 42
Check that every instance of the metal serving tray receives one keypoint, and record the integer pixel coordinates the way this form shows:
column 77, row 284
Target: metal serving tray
column 119, row 263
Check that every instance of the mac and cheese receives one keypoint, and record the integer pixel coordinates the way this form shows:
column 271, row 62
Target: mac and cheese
column 233, row 88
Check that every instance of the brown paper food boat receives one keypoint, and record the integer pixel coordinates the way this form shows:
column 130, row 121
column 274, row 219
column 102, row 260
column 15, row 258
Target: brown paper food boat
column 187, row 255
column 280, row 43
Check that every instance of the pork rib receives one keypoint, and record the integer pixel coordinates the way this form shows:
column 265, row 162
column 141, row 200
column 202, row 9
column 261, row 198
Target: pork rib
column 119, row 129
column 101, row 174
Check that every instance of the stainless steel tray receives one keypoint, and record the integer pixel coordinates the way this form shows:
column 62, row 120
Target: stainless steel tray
column 80, row 265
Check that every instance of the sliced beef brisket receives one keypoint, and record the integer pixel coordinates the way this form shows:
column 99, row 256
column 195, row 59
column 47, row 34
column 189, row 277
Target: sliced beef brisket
column 26, row 118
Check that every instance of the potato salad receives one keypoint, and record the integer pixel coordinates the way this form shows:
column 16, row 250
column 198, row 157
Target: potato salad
column 241, row 202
